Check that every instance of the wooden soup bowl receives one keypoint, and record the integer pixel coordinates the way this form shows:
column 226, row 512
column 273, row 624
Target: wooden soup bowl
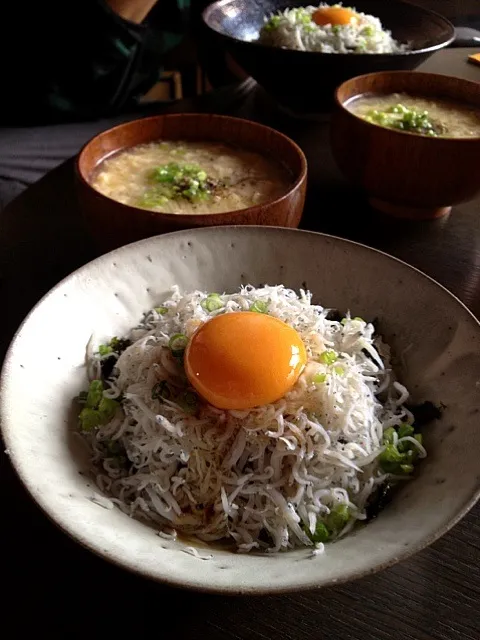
column 113, row 224
column 406, row 174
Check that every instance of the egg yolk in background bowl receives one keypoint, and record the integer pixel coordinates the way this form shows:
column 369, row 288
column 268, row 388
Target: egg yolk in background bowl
column 333, row 15
column 244, row 359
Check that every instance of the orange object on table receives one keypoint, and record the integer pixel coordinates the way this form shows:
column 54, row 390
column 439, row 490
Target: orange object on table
column 474, row 58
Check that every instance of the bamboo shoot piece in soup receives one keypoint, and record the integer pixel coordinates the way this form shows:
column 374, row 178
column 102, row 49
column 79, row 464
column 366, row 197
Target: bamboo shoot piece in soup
column 191, row 177
column 421, row 115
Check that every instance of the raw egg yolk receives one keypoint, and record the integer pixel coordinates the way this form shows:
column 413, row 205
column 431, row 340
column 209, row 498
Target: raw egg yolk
column 243, row 360
column 333, row 15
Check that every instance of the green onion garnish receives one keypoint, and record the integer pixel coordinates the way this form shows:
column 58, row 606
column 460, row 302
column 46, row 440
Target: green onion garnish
column 328, row 357
column 161, row 310
column 405, row 430
column 94, row 394
column 104, row 349
column 388, row 435
column 89, row 419
column 107, row 408
column 332, row 525
column 177, row 344
column 98, row 409
column 406, row 468
column 259, row 306
column 321, row 533
column 318, row 378
column 338, row 518
column 212, row 302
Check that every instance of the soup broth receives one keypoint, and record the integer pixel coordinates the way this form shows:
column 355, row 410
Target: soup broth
column 436, row 118
column 191, row 177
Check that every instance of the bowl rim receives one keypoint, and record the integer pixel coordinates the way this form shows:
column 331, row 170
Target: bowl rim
column 195, row 218
column 375, row 56
column 439, row 77
column 233, row 589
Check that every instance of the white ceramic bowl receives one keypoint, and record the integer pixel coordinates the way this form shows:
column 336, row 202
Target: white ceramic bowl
column 437, row 335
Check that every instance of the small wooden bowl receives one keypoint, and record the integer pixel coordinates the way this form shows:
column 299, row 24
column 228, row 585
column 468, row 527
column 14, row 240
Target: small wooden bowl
column 113, row 224
column 405, row 174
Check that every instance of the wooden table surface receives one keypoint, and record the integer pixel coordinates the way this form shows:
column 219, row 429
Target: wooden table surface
column 53, row 585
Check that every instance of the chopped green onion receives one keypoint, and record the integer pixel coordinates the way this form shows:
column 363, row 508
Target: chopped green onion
column 161, row 310
column 405, row 430
column 177, row 344
column 321, row 533
column 212, row 302
column 98, row 409
column 391, row 458
column 272, row 23
column 117, row 345
column 391, row 454
column 328, row 357
column 406, row 468
column 339, row 370
column 107, row 409
column 104, row 349
column 318, row 378
column 344, row 321
column 398, row 460
column 95, row 394
column 338, row 518
column 358, row 319
column 259, row 306
column 388, row 435
column 161, row 391
column 411, row 453
column 173, row 181
column 418, row 437
column 401, row 117
column 89, row 419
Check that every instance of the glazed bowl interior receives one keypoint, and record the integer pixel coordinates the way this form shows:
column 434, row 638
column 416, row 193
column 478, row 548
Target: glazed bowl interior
column 305, row 80
column 437, row 337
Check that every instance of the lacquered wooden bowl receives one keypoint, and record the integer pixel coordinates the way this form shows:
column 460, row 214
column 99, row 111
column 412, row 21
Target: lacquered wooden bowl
column 405, row 174
column 113, row 224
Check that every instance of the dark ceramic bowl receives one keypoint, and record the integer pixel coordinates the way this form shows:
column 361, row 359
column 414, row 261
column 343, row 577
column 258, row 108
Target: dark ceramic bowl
column 304, row 80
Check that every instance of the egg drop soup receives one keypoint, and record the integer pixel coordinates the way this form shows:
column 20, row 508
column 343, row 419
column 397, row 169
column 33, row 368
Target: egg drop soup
column 191, row 177
column 413, row 114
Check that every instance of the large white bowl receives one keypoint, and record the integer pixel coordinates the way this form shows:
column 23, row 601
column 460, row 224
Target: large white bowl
column 435, row 335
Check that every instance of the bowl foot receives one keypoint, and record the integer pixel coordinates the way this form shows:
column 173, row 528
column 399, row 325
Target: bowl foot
column 408, row 212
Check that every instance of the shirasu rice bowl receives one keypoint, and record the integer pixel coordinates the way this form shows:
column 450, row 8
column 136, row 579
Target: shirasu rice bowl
column 297, row 472
column 339, row 30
